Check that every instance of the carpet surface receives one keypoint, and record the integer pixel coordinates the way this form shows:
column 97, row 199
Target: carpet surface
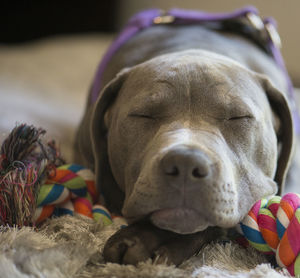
column 71, row 246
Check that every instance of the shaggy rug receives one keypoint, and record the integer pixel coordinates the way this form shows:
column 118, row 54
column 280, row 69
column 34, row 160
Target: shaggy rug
column 71, row 246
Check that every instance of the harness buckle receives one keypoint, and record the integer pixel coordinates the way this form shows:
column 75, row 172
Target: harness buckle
column 268, row 30
column 273, row 34
column 255, row 21
column 164, row 19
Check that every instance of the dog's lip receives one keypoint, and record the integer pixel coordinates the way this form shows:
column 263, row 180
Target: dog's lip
column 181, row 220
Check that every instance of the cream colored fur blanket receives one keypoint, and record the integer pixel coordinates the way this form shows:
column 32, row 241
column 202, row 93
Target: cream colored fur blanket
column 72, row 247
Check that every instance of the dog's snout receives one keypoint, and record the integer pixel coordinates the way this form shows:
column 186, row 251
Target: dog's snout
column 186, row 165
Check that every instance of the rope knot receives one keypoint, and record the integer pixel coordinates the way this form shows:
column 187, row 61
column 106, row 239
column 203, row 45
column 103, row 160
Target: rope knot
column 273, row 227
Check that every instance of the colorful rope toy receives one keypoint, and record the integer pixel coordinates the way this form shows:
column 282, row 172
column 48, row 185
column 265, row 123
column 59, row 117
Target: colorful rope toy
column 71, row 189
column 273, row 227
column 35, row 184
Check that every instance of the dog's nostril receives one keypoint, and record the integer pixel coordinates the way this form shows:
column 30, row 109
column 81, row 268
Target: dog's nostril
column 196, row 173
column 185, row 165
column 173, row 171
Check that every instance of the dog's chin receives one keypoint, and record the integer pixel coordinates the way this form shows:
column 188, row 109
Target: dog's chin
column 179, row 220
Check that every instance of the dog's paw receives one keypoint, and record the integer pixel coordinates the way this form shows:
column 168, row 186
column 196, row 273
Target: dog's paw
column 141, row 241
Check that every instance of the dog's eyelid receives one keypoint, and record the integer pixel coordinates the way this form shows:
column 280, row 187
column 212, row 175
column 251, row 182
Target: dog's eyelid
column 147, row 111
column 141, row 115
column 241, row 117
column 240, row 111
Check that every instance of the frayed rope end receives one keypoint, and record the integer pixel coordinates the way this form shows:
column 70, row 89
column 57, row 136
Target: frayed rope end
column 25, row 162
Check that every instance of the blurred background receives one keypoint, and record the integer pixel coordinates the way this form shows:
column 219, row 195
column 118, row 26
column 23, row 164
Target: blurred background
column 49, row 51
column 32, row 19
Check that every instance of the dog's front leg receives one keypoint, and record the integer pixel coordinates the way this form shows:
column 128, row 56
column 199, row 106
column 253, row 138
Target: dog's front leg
column 142, row 240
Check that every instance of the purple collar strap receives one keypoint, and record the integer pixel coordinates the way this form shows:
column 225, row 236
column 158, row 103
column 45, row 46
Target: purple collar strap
column 262, row 31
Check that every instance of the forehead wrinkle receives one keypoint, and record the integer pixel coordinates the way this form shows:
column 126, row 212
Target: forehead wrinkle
column 148, row 96
column 174, row 81
column 165, row 82
column 242, row 97
column 246, row 90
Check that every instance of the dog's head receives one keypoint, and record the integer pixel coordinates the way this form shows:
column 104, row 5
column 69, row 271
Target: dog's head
column 191, row 140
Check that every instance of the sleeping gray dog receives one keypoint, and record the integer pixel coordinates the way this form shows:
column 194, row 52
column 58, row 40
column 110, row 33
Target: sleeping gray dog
column 189, row 132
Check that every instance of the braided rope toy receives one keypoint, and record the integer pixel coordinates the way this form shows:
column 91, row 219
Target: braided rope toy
column 273, row 227
column 34, row 183
column 23, row 168
column 71, row 189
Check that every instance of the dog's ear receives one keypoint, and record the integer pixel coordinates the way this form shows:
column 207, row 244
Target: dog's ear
column 105, row 181
column 285, row 129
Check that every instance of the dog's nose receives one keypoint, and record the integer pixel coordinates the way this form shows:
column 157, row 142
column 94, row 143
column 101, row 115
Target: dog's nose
column 185, row 165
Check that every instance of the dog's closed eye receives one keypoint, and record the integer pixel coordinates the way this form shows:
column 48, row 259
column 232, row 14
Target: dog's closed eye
column 242, row 117
column 241, row 111
column 147, row 112
column 142, row 115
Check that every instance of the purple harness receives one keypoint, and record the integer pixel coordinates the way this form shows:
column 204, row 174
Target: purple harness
column 245, row 21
